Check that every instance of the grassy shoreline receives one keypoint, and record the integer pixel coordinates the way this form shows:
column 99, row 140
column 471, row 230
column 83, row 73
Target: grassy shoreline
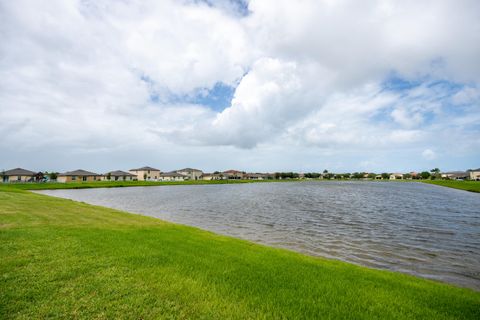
column 472, row 186
column 120, row 184
column 60, row 258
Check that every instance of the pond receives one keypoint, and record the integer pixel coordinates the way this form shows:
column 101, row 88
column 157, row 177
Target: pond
column 420, row 229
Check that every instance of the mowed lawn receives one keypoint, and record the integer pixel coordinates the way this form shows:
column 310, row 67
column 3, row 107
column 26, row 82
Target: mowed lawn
column 118, row 184
column 65, row 259
column 473, row 186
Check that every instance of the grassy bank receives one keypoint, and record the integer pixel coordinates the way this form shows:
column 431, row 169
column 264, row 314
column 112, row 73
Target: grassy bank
column 60, row 258
column 473, row 186
column 117, row 184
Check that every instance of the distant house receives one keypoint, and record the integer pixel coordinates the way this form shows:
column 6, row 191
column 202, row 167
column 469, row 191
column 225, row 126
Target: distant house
column 474, row 174
column 213, row 176
column 172, row 176
column 119, row 175
column 378, row 177
column 455, row 175
column 18, row 175
column 146, row 173
column 192, row 174
column 396, row 176
column 233, row 174
column 79, row 176
column 255, row 176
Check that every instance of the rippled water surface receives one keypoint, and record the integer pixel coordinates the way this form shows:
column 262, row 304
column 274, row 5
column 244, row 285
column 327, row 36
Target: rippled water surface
column 425, row 230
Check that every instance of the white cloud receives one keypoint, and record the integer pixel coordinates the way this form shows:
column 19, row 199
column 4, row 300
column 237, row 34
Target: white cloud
column 429, row 154
column 103, row 76
column 402, row 116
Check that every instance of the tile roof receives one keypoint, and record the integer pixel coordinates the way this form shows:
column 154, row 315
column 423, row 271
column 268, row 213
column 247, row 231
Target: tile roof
column 79, row 172
column 146, row 168
column 172, row 174
column 119, row 173
column 19, row 172
column 189, row 170
column 232, row 171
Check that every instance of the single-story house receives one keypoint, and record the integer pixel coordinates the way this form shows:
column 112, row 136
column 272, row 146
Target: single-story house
column 213, row 176
column 172, row 176
column 18, row 175
column 256, row 176
column 192, row 174
column 79, row 176
column 146, row 173
column 455, row 175
column 474, row 174
column 119, row 175
column 233, row 174
column 396, row 176
column 378, row 177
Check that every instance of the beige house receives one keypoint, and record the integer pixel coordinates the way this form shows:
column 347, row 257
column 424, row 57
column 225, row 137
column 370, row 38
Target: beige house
column 118, row 175
column 233, row 174
column 146, row 173
column 18, row 175
column 475, row 174
column 192, row 174
column 396, row 176
column 257, row 176
column 213, row 176
column 172, row 176
column 79, row 176
column 455, row 175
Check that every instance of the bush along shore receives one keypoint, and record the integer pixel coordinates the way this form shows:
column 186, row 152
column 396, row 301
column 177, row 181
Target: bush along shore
column 65, row 259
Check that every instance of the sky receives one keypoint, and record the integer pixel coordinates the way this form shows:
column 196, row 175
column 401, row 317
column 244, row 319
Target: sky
column 259, row 85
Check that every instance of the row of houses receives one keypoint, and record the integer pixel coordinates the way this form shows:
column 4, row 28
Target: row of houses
column 462, row 175
column 139, row 174
column 454, row 175
column 153, row 174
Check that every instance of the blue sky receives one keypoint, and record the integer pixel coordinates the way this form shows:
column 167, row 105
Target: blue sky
column 217, row 98
column 257, row 85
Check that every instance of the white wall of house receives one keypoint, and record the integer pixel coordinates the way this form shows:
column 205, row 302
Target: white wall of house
column 192, row 175
column 209, row 177
column 18, row 178
column 474, row 175
column 396, row 176
column 169, row 178
column 119, row 178
column 64, row 179
column 143, row 175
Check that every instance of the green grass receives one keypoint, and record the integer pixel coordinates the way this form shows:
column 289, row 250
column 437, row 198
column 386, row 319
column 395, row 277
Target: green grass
column 117, row 184
column 473, row 186
column 65, row 259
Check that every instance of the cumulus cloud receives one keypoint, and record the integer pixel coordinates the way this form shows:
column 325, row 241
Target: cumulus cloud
column 429, row 154
column 312, row 78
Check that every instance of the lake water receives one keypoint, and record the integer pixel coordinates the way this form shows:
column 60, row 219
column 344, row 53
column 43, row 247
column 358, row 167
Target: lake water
column 420, row 229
